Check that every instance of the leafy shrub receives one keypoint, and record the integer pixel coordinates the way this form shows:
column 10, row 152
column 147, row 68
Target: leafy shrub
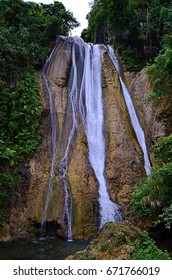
column 165, row 217
column 153, row 193
column 160, row 72
column 163, row 150
column 21, row 118
column 146, row 249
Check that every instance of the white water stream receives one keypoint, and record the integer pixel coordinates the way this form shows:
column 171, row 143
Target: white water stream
column 72, row 92
column 93, row 121
column 132, row 113
column 53, row 122
column 86, row 101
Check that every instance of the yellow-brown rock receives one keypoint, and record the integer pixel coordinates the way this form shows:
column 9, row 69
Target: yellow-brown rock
column 116, row 241
column 124, row 158
column 148, row 113
column 121, row 241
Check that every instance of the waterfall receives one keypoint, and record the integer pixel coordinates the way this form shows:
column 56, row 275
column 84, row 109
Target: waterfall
column 63, row 163
column 132, row 113
column 93, row 122
column 85, row 97
column 90, row 107
column 53, row 121
column 72, row 91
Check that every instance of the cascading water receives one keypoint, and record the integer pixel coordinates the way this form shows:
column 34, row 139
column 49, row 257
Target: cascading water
column 93, row 122
column 63, row 163
column 73, row 94
column 85, row 94
column 86, row 102
column 53, row 120
column 133, row 116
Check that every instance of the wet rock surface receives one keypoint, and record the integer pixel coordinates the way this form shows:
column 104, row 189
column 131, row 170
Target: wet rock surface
column 124, row 158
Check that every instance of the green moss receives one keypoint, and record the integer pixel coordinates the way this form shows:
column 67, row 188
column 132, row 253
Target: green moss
column 122, row 241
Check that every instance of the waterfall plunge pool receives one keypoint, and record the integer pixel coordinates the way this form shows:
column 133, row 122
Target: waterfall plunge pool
column 49, row 248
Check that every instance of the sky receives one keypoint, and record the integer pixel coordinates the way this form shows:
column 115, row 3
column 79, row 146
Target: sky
column 79, row 8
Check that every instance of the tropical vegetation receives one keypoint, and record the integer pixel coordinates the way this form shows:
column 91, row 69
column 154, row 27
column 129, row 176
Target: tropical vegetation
column 139, row 29
column 27, row 33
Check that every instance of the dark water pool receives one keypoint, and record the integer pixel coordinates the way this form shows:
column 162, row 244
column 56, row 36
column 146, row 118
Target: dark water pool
column 40, row 249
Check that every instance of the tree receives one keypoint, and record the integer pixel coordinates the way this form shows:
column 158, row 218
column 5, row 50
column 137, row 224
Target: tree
column 27, row 33
column 135, row 27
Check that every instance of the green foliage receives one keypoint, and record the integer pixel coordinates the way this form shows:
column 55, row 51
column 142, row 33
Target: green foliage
column 145, row 249
column 163, row 150
column 8, row 182
column 122, row 241
column 136, row 27
column 133, row 64
column 86, row 36
column 165, row 217
column 20, row 112
column 152, row 197
column 29, row 29
column 27, row 33
column 6, row 153
column 160, row 74
column 153, row 193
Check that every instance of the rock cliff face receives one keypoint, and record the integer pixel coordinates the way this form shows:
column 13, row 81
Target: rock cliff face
column 149, row 113
column 124, row 158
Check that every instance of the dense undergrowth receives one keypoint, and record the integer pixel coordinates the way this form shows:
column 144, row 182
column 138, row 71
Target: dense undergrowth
column 152, row 196
column 146, row 249
column 27, row 34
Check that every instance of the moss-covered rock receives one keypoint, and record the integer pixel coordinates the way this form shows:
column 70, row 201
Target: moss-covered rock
column 121, row 241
